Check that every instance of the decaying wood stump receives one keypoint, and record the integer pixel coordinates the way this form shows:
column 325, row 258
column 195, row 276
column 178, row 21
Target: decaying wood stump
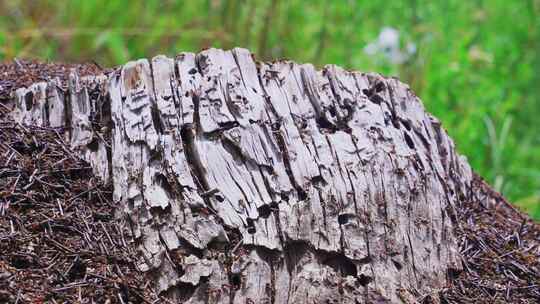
column 250, row 182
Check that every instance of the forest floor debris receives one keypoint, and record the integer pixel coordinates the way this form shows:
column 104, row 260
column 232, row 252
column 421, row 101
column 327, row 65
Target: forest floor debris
column 59, row 239
column 500, row 248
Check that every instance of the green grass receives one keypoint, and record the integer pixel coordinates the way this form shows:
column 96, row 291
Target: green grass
column 476, row 68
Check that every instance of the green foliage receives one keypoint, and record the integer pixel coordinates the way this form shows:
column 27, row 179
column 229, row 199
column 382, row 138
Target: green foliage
column 476, row 66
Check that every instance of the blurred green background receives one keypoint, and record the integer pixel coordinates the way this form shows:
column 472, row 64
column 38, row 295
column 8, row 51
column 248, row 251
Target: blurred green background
column 475, row 63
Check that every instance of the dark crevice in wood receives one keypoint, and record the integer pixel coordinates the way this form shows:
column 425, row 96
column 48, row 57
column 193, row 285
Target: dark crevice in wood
column 192, row 156
column 364, row 280
column 301, row 193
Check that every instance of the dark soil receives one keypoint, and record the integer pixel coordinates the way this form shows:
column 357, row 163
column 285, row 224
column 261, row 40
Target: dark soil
column 60, row 241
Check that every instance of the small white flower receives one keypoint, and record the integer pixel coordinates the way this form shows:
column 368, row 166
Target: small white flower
column 387, row 44
column 388, row 39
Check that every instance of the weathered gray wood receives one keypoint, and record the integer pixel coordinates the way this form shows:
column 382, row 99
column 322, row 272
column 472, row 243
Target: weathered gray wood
column 267, row 182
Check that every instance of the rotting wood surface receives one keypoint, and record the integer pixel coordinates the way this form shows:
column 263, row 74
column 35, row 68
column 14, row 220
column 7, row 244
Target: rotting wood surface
column 267, row 182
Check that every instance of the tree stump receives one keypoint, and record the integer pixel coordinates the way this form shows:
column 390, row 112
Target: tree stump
column 252, row 182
